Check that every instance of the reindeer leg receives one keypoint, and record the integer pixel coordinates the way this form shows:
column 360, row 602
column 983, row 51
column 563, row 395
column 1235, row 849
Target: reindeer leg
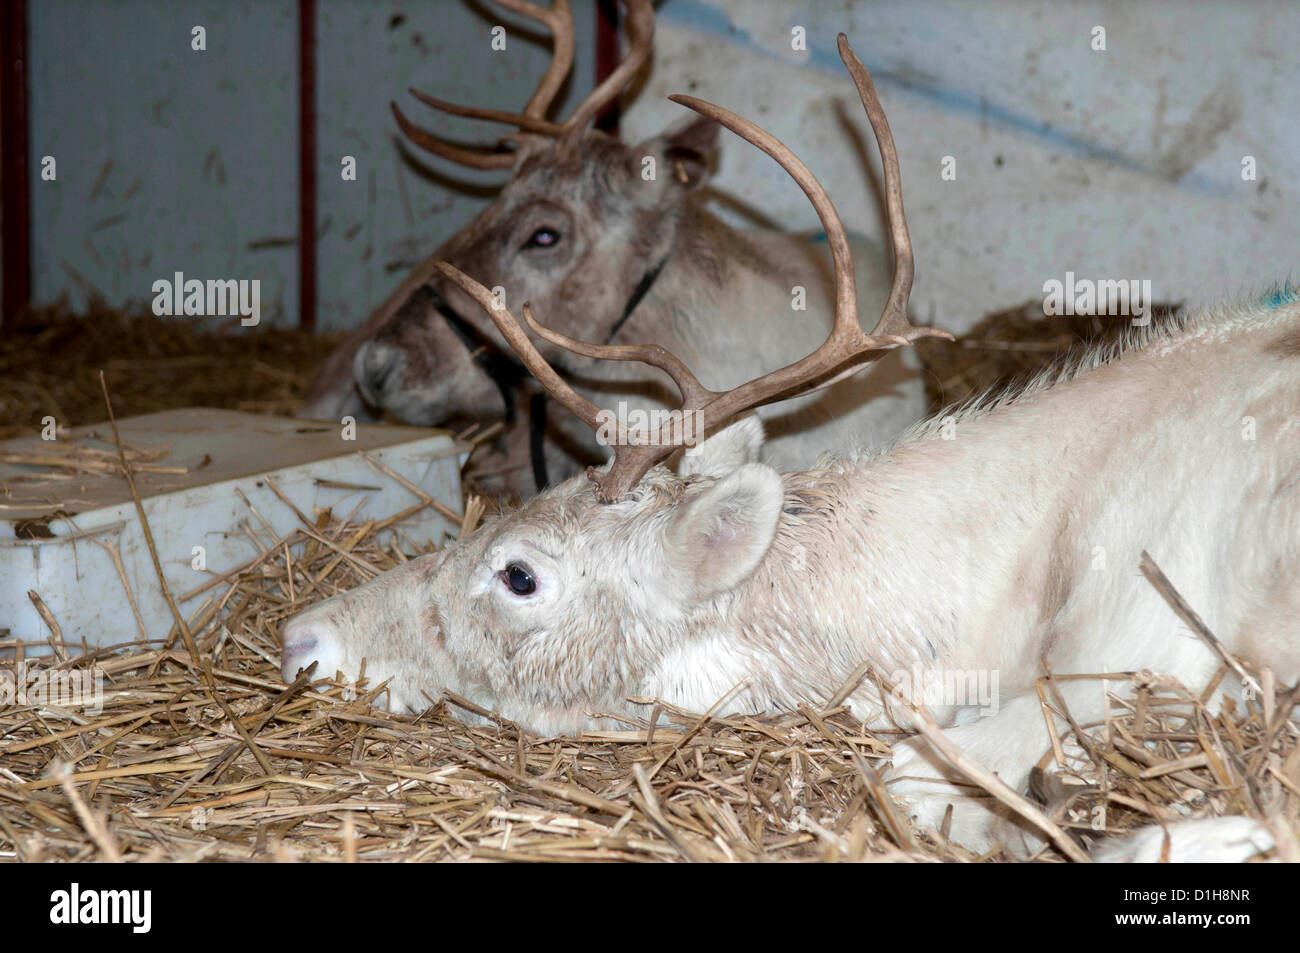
column 1007, row 743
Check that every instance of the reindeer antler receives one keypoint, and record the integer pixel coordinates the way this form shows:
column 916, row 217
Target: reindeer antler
column 845, row 352
column 559, row 20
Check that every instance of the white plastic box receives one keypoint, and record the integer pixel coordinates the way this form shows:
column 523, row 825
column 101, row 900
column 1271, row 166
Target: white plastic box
column 44, row 522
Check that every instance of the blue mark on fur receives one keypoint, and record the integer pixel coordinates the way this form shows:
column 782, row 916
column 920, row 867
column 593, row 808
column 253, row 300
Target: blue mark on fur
column 703, row 17
column 1278, row 295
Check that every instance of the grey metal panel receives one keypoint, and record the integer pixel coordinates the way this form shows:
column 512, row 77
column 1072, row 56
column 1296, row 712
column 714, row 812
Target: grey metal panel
column 168, row 159
column 174, row 160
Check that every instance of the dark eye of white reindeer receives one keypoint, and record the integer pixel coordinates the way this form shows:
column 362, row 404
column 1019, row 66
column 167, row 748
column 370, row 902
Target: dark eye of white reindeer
column 543, row 238
column 518, row 579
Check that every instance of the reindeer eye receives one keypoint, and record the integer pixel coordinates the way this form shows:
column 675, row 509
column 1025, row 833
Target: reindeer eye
column 518, row 579
column 543, row 238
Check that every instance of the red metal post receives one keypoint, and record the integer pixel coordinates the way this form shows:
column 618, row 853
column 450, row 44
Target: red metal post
column 15, row 237
column 607, row 21
column 307, row 164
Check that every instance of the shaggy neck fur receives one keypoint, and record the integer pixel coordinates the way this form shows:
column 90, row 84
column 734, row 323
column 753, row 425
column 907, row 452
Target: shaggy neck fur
column 708, row 260
column 967, row 545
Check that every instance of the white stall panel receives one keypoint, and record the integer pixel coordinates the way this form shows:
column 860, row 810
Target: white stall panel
column 58, row 529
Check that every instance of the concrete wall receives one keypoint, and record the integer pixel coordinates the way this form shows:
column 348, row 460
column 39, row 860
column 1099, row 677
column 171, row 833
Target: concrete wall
column 1123, row 163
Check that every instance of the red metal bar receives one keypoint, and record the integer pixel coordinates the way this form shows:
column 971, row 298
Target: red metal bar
column 307, row 164
column 607, row 21
column 15, row 233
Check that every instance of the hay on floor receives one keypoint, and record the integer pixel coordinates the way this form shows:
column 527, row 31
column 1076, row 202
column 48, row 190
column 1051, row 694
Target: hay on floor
column 1011, row 346
column 51, row 356
column 50, row 360
column 215, row 758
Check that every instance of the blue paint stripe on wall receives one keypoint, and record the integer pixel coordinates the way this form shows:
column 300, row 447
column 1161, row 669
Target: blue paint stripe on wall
column 709, row 20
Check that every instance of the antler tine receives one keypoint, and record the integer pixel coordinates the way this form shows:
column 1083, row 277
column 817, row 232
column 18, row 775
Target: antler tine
column 894, row 318
column 688, row 385
column 640, row 36
column 474, row 158
column 525, row 122
column 515, row 336
column 559, row 20
column 693, row 392
column 634, row 451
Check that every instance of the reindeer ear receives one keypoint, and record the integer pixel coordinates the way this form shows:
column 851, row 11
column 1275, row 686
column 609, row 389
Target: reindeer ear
column 738, row 443
column 686, row 152
column 717, row 538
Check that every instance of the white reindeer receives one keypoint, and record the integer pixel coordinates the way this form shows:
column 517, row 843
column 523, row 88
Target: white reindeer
column 1003, row 539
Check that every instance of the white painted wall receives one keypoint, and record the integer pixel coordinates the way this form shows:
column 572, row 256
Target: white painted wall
column 1124, row 163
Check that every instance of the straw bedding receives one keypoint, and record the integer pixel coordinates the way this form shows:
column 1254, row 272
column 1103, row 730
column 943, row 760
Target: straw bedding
column 50, row 358
column 1012, row 345
column 200, row 751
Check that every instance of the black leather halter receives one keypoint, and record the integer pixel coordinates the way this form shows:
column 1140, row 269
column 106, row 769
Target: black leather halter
column 503, row 370
column 634, row 299
column 506, row 371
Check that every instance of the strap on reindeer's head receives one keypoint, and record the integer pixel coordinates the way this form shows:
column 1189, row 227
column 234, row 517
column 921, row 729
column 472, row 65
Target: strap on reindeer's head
column 846, row 351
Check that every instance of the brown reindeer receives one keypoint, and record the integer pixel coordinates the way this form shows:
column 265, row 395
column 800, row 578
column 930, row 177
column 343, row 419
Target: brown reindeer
column 581, row 221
